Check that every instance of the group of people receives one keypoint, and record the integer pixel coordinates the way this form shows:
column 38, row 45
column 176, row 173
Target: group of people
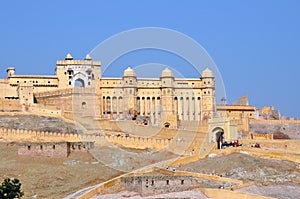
column 234, row 143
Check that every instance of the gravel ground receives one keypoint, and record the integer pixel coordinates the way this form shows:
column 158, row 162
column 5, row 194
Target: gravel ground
column 247, row 168
column 128, row 160
column 275, row 191
column 44, row 177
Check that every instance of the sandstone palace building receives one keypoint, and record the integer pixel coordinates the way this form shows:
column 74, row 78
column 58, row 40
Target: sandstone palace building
column 78, row 87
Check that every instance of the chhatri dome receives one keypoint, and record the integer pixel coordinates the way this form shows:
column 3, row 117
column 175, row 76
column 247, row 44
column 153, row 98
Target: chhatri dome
column 207, row 73
column 129, row 72
column 88, row 57
column 69, row 57
column 166, row 73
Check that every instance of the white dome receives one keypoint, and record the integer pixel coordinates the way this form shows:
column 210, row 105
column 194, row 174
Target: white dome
column 129, row 72
column 88, row 57
column 207, row 73
column 166, row 73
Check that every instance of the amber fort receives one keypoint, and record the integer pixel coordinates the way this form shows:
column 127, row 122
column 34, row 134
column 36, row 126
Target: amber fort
column 180, row 115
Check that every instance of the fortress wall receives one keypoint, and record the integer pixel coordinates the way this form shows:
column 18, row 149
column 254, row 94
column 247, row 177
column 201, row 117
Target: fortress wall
column 37, row 136
column 66, row 91
column 7, row 90
column 130, row 142
column 149, row 131
column 46, row 110
column 289, row 146
column 10, row 105
column 282, row 129
column 255, row 136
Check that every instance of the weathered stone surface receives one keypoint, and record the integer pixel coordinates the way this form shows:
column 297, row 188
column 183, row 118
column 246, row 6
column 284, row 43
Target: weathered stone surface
column 280, row 130
column 37, row 123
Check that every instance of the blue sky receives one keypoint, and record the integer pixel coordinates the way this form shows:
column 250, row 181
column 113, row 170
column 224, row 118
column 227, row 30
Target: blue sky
column 255, row 44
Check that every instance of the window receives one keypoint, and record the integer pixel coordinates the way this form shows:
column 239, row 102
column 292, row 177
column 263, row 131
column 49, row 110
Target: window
column 182, row 182
column 167, row 182
column 28, row 147
column 152, row 182
column 53, row 146
column 48, row 82
column 41, row 147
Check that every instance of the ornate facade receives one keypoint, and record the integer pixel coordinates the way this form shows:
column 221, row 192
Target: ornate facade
column 164, row 100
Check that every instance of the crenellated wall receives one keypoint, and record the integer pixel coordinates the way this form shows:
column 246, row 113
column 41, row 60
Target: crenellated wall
column 129, row 142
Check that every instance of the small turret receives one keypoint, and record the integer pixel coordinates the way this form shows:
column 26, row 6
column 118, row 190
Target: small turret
column 10, row 71
column 207, row 73
column 88, row 57
column 69, row 57
column 129, row 72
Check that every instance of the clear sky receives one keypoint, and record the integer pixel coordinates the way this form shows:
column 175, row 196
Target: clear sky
column 255, row 44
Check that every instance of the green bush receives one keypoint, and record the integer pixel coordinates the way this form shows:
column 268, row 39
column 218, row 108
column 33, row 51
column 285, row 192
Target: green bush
column 10, row 189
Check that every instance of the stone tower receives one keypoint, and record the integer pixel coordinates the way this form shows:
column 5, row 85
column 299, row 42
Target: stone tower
column 129, row 90
column 83, row 73
column 208, row 94
column 168, row 115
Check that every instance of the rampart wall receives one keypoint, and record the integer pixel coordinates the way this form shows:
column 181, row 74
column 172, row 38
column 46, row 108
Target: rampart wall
column 46, row 110
column 10, row 105
column 130, row 142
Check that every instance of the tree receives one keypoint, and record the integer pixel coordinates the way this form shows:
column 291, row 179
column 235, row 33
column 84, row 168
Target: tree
column 11, row 189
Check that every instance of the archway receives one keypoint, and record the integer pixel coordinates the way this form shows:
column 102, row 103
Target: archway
column 166, row 125
column 79, row 83
column 219, row 132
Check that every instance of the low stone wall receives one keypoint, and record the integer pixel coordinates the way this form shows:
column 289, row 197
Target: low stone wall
column 49, row 149
column 53, row 149
column 129, row 142
column 255, row 136
column 286, row 146
column 153, row 185
column 160, row 182
column 219, row 193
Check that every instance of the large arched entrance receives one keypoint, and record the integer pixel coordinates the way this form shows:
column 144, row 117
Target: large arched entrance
column 79, row 83
column 219, row 136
